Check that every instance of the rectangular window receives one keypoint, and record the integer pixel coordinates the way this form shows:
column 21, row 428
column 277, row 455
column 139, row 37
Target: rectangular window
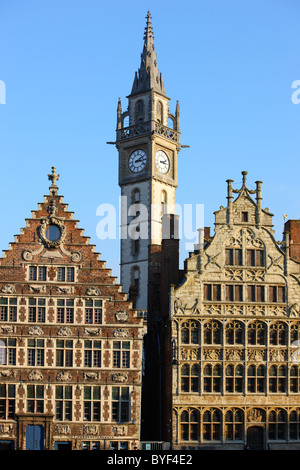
column 32, row 273
column 121, row 354
column 7, row 401
column 65, row 274
column 63, row 402
column 212, row 292
column 42, row 273
column 8, row 309
column 233, row 257
column 256, row 293
column 35, row 399
column 65, row 311
column 92, row 353
column 255, row 257
column 234, row 293
column 244, row 216
column 92, row 403
column 37, row 310
column 35, row 352
column 93, row 311
column 277, row 294
column 120, row 404
column 64, row 353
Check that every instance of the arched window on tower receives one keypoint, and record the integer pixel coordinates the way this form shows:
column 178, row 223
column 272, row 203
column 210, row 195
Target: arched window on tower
column 164, row 203
column 135, row 279
column 140, row 111
column 159, row 112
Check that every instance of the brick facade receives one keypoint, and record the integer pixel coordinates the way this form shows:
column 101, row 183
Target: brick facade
column 71, row 343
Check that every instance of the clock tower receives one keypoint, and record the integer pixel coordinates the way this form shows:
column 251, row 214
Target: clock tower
column 148, row 142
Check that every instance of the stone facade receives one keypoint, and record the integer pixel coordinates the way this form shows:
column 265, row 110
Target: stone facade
column 70, row 341
column 235, row 331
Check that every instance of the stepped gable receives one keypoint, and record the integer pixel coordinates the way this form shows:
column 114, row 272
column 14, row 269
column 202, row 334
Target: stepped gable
column 52, row 238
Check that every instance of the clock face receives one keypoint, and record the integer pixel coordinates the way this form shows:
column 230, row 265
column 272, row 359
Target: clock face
column 162, row 162
column 137, row 161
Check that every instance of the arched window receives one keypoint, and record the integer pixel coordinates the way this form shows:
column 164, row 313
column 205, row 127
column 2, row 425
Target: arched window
column 278, row 334
column 189, row 425
column 277, row 379
column 256, row 333
column 234, row 425
column 294, row 424
column 212, row 333
column 135, row 196
column 140, row 111
column 190, row 378
column 135, row 279
column 234, row 375
column 159, row 112
column 234, row 333
column 190, row 332
column 256, row 379
column 164, row 203
column 212, row 378
column 295, row 379
column 212, row 425
column 277, row 424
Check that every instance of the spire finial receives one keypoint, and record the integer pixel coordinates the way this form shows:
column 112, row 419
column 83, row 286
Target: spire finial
column 53, row 177
column 148, row 29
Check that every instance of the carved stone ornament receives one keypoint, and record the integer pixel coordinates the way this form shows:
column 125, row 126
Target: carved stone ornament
column 119, row 377
column 35, row 330
column 7, row 428
column 122, row 316
column 255, row 415
column 8, row 289
column 64, row 331
column 9, row 374
column 42, row 232
column 7, row 329
column 35, row 375
column 64, row 377
column 92, row 331
column 120, row 333
column 119, row 430
column 75, row 256
column 91, row 430
column 91, row 375
column 93, row 291
column 62, row 429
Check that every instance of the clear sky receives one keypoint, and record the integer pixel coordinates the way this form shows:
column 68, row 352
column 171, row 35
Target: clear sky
column 65, row 63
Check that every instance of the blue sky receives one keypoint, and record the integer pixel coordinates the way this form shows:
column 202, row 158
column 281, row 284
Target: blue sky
column 65, row 63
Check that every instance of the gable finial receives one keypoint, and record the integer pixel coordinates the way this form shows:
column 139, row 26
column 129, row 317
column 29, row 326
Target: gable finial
column 53, row 177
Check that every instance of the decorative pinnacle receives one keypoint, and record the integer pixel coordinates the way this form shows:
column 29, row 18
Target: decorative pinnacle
column 148, row 29
column 53, row 177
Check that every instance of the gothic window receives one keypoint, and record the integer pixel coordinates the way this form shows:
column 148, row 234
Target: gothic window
column 120, row 404
column 256, row 333
column 234, row 293
column 7, row 401
column 278, row 334
column 212, row 292
column 190, row 378
column 35, row 399
column 234, row 332
column 212, row 425
column 277, row 425
column 64, row 353
column 92, row 403
column 212, row 333
column 63, row 402
column 189, row 424
column 295, row 379
column 190, row 332
column 234, row 420
column 92, row 353
column 256, row 378
column 233, row 257
column 234, row 378
column 277, row 294
column 159, row 112
column 294, row 424
column 212, row 378
column 277, row 379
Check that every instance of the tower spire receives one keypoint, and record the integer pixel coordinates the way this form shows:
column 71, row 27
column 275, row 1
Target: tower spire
column 148, row 77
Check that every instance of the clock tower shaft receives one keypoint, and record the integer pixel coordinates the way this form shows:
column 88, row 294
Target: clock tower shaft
column 148, row 142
